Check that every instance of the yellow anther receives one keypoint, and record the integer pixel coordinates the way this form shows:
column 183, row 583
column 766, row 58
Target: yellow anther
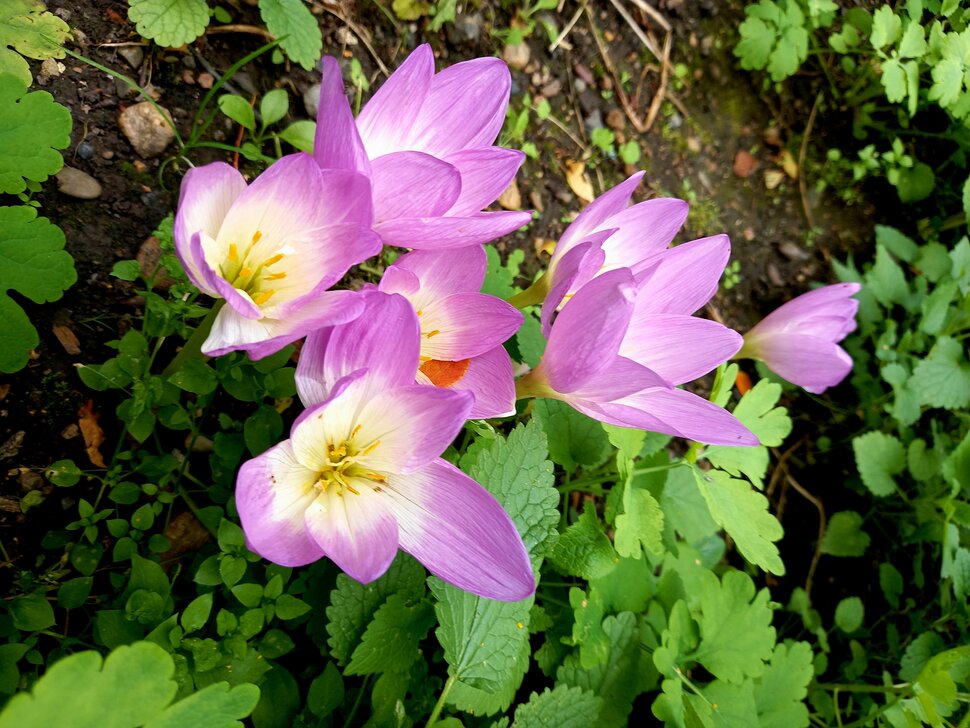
column 356, row 430
column 256, row 236
column 245, row 272
column 233, row 253
column 433, row 333
column 420, row 311
column 424, row 358
column 376, row 477
column 371, row 447
column 274, row 277
column 273, row 260
column 263, row 297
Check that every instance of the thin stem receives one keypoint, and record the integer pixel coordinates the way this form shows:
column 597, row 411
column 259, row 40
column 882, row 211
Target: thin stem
column 193, row 347
column 360, row 695
column 441, row 701
column 856, row 688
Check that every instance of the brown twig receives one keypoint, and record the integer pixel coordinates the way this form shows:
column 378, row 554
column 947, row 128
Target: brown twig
column 653, row 13
column 821, row 528
column 638, row 31
column 566, row 30
column 240, row 28
column 803, row 149
column 608, row 62
column 780, row 465
column 363, row 38
column 662, row 90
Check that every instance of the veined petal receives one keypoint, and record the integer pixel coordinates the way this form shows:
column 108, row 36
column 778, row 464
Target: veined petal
column 217, row 286
column 489, row 377
column 413, row 184
column 681, row 413
column 205, row 197
column 385, row 123
column 485, row 174
column 587, row 334
column 357, row 531
column 438, row 233
column 620, row 378
column 413, row 425
column 465, row 107
column 643, row 231
column 577, row 267
column 596, row 215
column 273, row 492
column 457, row 529
column 337, row 143
column 464, row 325
column 441, row 273
column 684, row 278
column 828, row 313
column 679, row 348
column 384, row 340
column 812, row 363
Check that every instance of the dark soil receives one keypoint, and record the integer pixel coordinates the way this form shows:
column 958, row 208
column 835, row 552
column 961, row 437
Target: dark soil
column 710, row 113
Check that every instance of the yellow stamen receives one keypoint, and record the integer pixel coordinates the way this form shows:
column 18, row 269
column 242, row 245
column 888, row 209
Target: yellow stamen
column 263, row 297
column 274, row 276
column 272, row 260
column 420, row 311
column 424, row 358
column 433, row 333
column 233, row 253
column 371, row 447
column 256, row 236
column 245, row 272
column 376, row 477
column 356, row 430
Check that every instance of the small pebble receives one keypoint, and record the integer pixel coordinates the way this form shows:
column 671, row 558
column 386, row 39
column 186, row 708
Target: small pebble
column 85, row 151
column 75, row 183
column 615, row 119
column 311, row 99
column 693, row 145
column 551, row 89
column 107, row 154
column 774, row 276
column 792, row 251
column 133, row 54
column 146, row 129
column 516, row 55
column 675, row 121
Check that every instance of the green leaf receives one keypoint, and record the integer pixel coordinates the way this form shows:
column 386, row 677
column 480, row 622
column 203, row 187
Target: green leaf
column 574, row 439
column 300, row 134
column 561, row 707
column 744, row 514
column 34, row 128
column 499, row 279
column 239, row 110
column 63, row 473
column 913, row 44
column 170, row 23
column 195, row 376
column 290, row 607
column 942, row 379
column 326, row 692
column 879, row 457
column 947, row 81
column 885, row 280
column 390, row 642
column 31, row 612
column 780, row 692
column 273, row 106
column 897, row 243
column 262, row 429
column 886, row 27
column 617, row 680
column 73, row 593
column 352, row 604
column 196, row 614
column 894, row 80
column 641, row 524
column 685, row 508
column 584, row 549
column 26, row 28
column 789, row 54
column 32, row 262
column 849, row 614
column 915, row 183
column 216, row 706
column 891, row 582
column 299, row 32
column 844, row 535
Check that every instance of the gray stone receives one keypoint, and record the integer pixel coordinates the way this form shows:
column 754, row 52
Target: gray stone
column 311, row 99
column 75, row 183
column 133, row 54
column 146, row 129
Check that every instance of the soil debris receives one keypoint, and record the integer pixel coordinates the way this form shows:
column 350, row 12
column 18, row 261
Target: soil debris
column 92, row 432
column 75, row 183
column 146, row 129
column 744, row 163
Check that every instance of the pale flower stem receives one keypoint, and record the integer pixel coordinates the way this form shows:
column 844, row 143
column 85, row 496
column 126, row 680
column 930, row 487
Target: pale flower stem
column 441, row 701
column 531, row 296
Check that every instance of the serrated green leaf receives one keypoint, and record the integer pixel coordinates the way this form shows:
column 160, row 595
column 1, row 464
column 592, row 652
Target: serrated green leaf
column 561, row 707
column 588, row 612
column 942, row 379
column 886, row 27
column 499, row 279
column 627, row 587
column 390, row 642
column 879, row 457
column 34, row 127
column 897, row 243
column 215, row 706
column 780, row 692
column 170, row 23
column 789, row 54
column 894, row 80
column 529, row 339
column 744, row 514
column 885, row 280
column 685, row 508
column 299, row 32
column 27, row 29
column 583, row 549
column 574, row 439
column 641, row 524
column 913, row 43
column 947, row 85
column 617, row 680
column 352, row 604
column 757, row 40
column 844, row 535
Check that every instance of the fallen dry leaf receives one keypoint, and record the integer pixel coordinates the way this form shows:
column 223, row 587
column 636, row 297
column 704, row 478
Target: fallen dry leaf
column 744, row 163
column 511, row 199
column 4, row 391
column 92, row 432
column 579, row 181
column 788, row 163
column 773, row 178
column 544, row 246
column 186, row 533
column 67, row 338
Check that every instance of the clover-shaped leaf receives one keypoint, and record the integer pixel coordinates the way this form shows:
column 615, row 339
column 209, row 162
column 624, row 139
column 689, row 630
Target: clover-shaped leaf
column 26, row 29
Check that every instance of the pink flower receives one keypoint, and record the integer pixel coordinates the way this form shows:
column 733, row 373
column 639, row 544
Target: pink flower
column 462, row 330
column 361, row 474
column 424, row 140
column 799, row 340
column 618, row 348
column 272, row 249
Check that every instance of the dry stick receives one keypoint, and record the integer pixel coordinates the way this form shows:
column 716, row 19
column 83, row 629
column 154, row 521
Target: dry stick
column 802, row 150
column 653, row 13
column 360, row 34
column 569, row 133
column 569, row 26
column 240, row 28
column 608, row 62
column 782, row 459
column 662, row 90
column 635, row 27
column 821, row 527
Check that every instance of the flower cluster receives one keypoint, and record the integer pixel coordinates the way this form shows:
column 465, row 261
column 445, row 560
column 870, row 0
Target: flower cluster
column 389, row 374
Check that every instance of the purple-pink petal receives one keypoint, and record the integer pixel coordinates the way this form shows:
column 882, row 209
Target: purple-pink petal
column 812, row 363
column 464, row 325
column 596, row 215
column 337, row 144
column 643, row 231
column 485, row 174
column 438, row 233
column 577, row 267
column 457, row 529
column 413, row 184
column 684, row 278
column 438, row 273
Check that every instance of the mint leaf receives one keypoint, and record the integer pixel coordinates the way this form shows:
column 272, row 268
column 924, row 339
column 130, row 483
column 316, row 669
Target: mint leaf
column 583, row 549
column 32, row 262
column 34, row 128
column 561, row 707
column 844, row 535
column 574, row 439
column 170, row 23
column 299, row 32
column 779, row 693
column 27, row 29
column 390, row 642
column 352, row 604
column 743, row 513
column 942, row 379
column 878, row 457
column 735, row 624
